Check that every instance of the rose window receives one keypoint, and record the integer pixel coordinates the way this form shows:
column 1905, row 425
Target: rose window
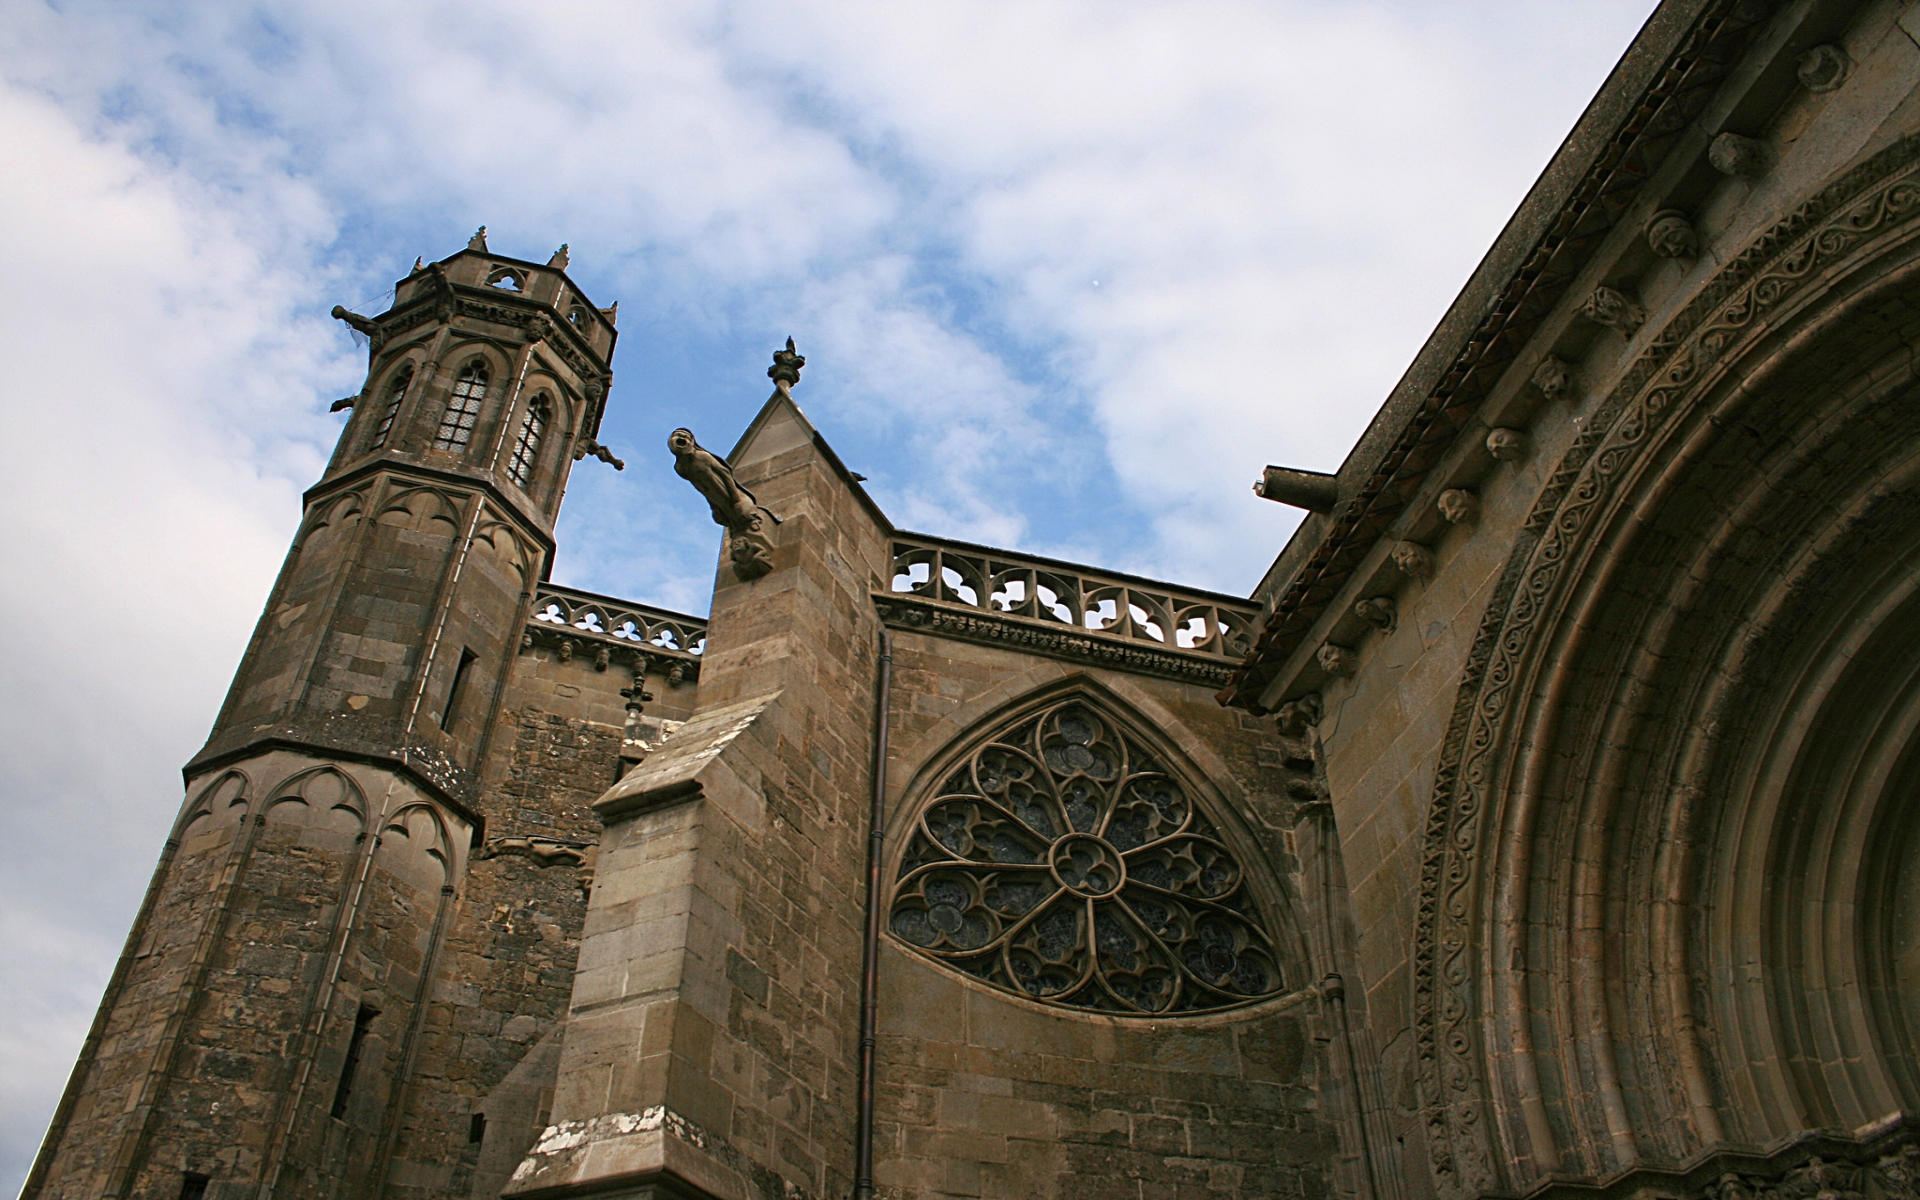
column 1062, row 862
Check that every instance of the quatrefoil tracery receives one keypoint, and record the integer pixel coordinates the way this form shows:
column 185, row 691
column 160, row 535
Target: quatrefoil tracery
column 1061, row 862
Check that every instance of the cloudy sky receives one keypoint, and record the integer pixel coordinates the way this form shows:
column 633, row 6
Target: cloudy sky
column 1067, row 273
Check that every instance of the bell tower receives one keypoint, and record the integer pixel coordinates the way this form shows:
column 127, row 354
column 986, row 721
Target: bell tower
column 260, row 1031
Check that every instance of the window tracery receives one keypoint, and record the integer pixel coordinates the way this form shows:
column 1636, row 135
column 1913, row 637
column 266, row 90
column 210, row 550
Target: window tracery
column 463, row 409
column 396, row 392
column 526, row 443
column 1062, row 862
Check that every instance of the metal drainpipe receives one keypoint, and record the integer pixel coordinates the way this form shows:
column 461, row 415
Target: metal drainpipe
column 870, row 974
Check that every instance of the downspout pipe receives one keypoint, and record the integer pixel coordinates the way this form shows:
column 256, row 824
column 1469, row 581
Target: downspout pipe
column 870, row 973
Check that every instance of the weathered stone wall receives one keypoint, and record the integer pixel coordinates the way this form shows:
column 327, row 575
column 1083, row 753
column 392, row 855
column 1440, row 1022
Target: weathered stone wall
column 490, row 1048
column 986, row 1094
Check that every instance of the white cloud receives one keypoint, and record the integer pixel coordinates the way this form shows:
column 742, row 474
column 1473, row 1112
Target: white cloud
column 1277, row 200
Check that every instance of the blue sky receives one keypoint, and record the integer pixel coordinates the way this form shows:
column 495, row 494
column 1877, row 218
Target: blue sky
column 1067, row 275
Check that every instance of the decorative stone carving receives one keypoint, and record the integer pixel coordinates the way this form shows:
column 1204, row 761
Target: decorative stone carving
column 588, row 448
column 542, row 851
column 1378, row 611
column 559, row 259
column 1742, row 157
column 1553, row 377
column 479, row 240
column 566, row 649
column 1671, row 235
column 1615, row 310
column 733, row 507
column 1063, row 862
column 1337, row 660
column 1296, row 716
column 1507, row 445
column 785, row 371
column 1458, row 506
column 601, row 657
column 1414, row 560
column 1824, row 68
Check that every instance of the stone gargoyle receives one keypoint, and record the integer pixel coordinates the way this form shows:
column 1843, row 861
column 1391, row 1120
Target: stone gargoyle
column 747, row 522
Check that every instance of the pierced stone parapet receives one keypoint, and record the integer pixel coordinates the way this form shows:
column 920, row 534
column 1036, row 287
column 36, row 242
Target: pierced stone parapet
column 574, row 622
column 1063, row 599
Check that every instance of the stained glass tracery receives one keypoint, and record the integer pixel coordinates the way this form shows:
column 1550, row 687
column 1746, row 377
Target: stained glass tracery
column 1061, row 861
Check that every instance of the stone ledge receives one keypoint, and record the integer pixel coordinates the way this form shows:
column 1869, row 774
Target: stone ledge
column 1052, row 641
column 643, row 1156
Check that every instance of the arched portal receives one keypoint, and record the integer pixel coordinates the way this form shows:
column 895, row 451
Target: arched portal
column 1670, row 883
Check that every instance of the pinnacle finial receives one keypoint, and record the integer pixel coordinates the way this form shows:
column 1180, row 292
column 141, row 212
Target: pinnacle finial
column 419, row 264
column 612, row 314
column 785, row 371
column 559, row 258
column 479, row 240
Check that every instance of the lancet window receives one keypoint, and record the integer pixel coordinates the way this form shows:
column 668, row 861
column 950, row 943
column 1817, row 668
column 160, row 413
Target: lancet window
column 463, row 409
column 526, row 443
column 396, row 392
column 1063, row 861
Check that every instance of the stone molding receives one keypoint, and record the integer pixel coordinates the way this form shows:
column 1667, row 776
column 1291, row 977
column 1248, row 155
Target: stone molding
column 1882, row 1160
column 1871, row 200
column 654, row 1148
column 1537, row 284
column 1052, row 640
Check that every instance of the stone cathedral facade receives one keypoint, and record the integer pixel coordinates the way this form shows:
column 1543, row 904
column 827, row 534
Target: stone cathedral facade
column 1546, row 824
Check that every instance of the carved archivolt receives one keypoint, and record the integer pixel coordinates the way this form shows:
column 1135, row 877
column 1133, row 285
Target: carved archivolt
column 1064, row 862
column 1601, row 946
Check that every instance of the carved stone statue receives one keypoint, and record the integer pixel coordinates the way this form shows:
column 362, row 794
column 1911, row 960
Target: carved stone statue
column 733, row 507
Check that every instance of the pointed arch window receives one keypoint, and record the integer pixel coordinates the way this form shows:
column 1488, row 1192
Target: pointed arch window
column 463, row 409
column 1062, row 861
column 526, row 442
column 396, row 392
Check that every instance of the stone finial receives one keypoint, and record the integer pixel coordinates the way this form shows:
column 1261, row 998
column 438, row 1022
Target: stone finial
column 479, row 240
column 1298, row 715
column 1615, row 310
column 750, row 546
column 1671, row 235
column 1553, row 377
column 1507, row 445
column 1379, row 611
column 1337, row 660
column 419, row 264
column 612, row 314
column 1458, row 505
column 1824, row 68
column 785, row 371
column 559, row 259
column 1311, row 490
column 1744, row 157
column 1414, row 560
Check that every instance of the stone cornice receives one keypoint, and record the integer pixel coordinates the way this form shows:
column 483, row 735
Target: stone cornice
column 534, row 523
column 1666, row 78
column 343, row 737
column 1049, row 639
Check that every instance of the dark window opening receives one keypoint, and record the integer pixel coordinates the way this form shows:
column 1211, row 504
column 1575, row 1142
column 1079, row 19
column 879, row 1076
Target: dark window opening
column 463, row 409
column 477, row 1129
column 459, row 685
column 193, row 1185
column 362, row 1021
column 396, row 392
column 526, row 444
